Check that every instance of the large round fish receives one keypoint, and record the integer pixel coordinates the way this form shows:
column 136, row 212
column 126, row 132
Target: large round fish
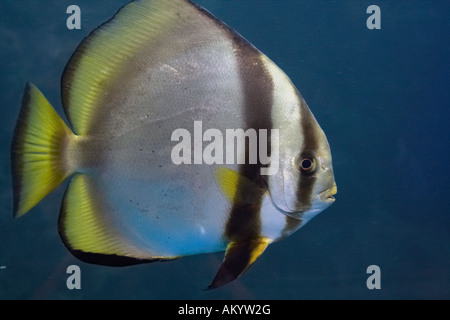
column 185, row 139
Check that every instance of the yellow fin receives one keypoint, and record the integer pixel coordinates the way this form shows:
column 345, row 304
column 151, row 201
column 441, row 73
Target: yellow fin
column 40, row 138
column 238, row 189
column 238, row 258
column 102, row 58
column 81, row 222
column 87, row 231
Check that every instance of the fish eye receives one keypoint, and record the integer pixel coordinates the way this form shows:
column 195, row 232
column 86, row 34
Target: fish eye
column 307, row 164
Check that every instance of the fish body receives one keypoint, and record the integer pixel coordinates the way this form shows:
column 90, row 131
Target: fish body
column 183, row 139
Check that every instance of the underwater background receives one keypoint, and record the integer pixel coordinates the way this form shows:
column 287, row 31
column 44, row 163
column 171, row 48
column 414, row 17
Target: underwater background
column 382, row 98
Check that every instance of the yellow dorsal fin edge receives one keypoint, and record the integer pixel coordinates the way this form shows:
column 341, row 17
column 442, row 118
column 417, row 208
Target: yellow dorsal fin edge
column 102, row 57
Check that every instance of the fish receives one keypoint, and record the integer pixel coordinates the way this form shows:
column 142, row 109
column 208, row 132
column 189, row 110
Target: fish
column 182, row 139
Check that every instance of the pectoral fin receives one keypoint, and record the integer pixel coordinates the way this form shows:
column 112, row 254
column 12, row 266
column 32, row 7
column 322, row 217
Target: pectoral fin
column 237, row 188
column 239, row 256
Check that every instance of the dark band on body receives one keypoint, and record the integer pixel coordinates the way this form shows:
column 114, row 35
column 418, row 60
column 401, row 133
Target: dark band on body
column 305, row 184
column 244, row 221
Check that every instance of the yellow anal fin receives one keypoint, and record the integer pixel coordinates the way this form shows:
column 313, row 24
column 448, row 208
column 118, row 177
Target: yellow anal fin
column 87, row 230
column 237, row 188
column 37, row 160
column 239, row 256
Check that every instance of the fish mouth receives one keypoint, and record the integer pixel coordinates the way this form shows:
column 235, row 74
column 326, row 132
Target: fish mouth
column 328, row 195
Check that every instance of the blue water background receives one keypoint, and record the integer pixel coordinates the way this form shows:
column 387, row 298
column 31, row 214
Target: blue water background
column 381, row 96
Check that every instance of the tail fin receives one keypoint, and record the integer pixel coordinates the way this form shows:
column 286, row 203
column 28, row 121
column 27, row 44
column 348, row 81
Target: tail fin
column 40, row 138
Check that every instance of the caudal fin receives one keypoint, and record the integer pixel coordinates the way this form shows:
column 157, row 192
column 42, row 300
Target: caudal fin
column 40, row 138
